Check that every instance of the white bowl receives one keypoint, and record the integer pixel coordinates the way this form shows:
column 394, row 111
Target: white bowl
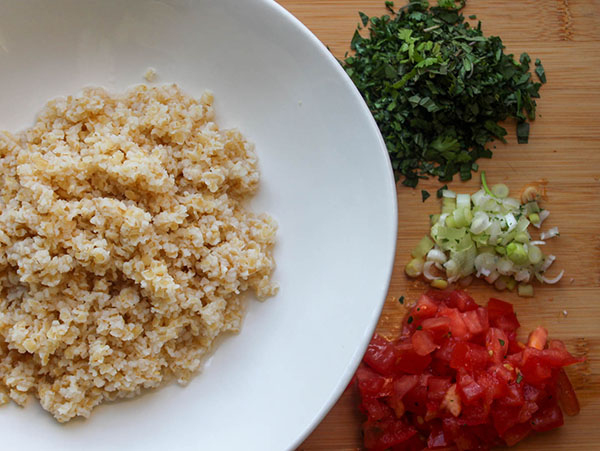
column 325, row 178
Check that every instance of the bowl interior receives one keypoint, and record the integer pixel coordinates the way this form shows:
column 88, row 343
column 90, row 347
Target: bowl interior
column 325, row 178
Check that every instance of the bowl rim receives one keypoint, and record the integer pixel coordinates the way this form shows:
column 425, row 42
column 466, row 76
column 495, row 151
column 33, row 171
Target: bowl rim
column 382, row 148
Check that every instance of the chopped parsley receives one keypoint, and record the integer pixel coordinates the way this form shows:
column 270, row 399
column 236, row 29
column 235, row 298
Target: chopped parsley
column 438, row 88
column 440, row 192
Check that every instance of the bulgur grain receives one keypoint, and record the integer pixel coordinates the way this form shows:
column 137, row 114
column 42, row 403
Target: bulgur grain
column 124, row 247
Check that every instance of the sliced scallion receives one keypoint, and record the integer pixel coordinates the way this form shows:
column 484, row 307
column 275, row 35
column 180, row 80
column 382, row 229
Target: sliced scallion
column 486, row 235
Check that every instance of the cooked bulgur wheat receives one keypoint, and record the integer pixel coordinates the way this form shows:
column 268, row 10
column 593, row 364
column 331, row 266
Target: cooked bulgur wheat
column 124, row 247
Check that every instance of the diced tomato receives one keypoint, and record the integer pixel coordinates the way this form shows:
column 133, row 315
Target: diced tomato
column 514, row 396
column 380, row 436
column 566, row 395
column 494, row 387
column 502, row 315
column 557, row 354
column 458, row 328
column 476, row 321
column 504, row 418
column 436, row 438
column 470, row 390
column 537, row 365
column 547, row 419
column 404, row 384
column 458, row 379
column 487, row 435
column 437, row 388
column 538, row 338
column 469, row 356
column 446, row 349
column 381, row 355
column 425, row 308
column 372, row 384
column 375, row 409
column 422, row 341
column 416, row 399
column 533, row 394
column 415, row 443
column 496, row 342
column 461, row 300
column 439, row 296
column 409, row 361
column 516, row 433
column 475, row 414
column 439, row 327
column 466, row 440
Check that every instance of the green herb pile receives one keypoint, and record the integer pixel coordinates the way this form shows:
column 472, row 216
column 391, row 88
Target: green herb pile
column 438, row 87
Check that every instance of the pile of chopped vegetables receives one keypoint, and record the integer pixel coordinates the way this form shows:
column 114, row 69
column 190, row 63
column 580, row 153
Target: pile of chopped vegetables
column 438, row 88
column 485, row 234
column 457, row 378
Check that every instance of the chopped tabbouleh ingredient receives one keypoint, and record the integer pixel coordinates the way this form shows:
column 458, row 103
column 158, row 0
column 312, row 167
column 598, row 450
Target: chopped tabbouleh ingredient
column 438, row 87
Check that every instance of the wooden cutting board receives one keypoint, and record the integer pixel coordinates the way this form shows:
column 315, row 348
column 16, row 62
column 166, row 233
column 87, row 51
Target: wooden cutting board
column 564, row 149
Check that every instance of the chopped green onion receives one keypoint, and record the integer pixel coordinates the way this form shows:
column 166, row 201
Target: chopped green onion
column 484, row 184
column 424, row 246
column 448, row 205
column 485, row 234
column 500, row 190
column 534, row 254
column 414, row 267
column 534, row 218
column 516, row 253
column 522, row 237
column 440, row 284
column 525, row 290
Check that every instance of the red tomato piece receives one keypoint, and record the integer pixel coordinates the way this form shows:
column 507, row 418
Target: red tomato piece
column 439, row 296
column 372, row 384
column 379, row 436
column 437, row 388
column 547, row 419
column 436, row 438
column 566, row 395
column 502, row 315
column 425, row 308
column 381, row 355
column 496, row 342
column 375, row 409
column 504, row 418
column 422, row 341
column 404, row 384
column 416, row 399
column 538, row 338
column 514, row 396
column 469, row 389
column 412, row 444
column 439, row 327
column 446, row 348
column 516, row 433
column 409, row 361
column 458, row 328
column 469, row 356
column 461, row 300
column 476, row 321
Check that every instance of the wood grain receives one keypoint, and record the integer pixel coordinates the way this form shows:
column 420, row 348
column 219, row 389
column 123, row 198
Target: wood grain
column 564, row 149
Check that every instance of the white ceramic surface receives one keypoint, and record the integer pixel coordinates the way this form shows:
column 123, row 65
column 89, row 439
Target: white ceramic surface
column 325, row 177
